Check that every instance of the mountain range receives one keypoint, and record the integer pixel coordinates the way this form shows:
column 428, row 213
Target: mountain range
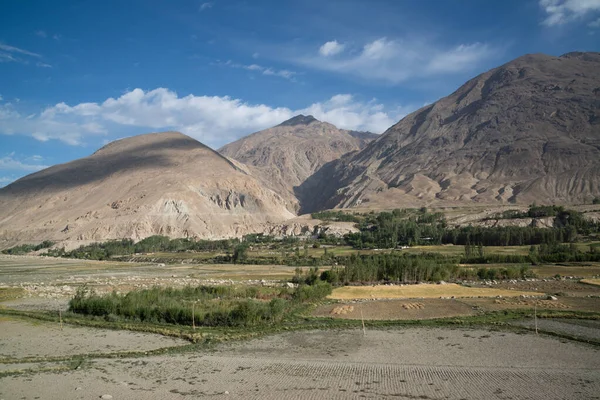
column 527, row 131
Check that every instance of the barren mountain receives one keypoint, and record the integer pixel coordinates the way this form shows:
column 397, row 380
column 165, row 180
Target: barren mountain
column 284, row 156
column 160, row 183
column 526, row 131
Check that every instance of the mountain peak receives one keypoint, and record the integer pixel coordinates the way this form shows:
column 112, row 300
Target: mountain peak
column 299, row 120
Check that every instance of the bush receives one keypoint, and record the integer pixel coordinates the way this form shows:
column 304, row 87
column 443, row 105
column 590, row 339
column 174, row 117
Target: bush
column 214, row 306
column 330, row 276
column 316, row 292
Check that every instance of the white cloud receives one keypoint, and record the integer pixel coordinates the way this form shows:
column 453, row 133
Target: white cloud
column 11, row 49
column 41, row 34
column 396, row 61
column 255, row 55
column 12, row 164
column 282, row 73
column 331, row 48
column 211, row 119
column 560, row 12
column 346, row 113
column 458, row 59
column 15, row 54
column 1, row 98
column 206, row 6
column 595, row 24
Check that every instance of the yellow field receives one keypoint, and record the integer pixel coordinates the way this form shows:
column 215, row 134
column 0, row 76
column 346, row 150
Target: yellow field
column 427, row 291
column 591, row 281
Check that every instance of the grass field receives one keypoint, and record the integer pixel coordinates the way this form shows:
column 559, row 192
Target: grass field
column 427, row 291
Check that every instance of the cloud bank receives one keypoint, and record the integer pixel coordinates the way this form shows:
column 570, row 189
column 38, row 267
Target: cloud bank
column 560, row 12
column 398, row 60
column 213, row 120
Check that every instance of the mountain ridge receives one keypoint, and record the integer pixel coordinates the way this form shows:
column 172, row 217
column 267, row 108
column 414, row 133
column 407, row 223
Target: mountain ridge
column 522, row 132
column 284, row 156
column 161, row 183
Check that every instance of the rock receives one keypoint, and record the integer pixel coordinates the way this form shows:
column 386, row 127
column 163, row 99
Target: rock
column 552, row 298
column 78, row 388
column 106, row 397
column 226, row 392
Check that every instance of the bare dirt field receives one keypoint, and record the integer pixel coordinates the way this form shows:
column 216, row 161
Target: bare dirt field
column 23, row 339
column 426, row 291
column 413, row 363
column 395, row 309
column 562, row 303
column 551, row 286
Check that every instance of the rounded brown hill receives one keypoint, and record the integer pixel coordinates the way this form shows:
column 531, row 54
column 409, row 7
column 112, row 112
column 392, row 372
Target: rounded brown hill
column 284, row 156
column 160, row 183
column 526, row 131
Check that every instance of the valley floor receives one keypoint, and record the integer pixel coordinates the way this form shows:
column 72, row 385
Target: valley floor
column 39, row 360
column 406, row 363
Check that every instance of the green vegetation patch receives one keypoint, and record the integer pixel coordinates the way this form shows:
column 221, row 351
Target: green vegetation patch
column 28, row 248
column 213, row 306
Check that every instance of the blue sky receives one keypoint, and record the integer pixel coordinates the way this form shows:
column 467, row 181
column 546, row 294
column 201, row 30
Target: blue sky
column 77, row 75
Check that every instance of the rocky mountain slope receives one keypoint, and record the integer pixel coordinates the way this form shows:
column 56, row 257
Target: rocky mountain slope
column 526, row 131
column 160, row 183
column 284, row 156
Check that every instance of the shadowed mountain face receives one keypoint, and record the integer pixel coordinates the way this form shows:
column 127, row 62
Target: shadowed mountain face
column 523, row 132
column 161, row 183
column 284, row 156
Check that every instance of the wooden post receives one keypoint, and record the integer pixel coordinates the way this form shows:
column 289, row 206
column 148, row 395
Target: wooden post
column 193, row 311
column 60, row 318
column 535, row 317
column 363, row 321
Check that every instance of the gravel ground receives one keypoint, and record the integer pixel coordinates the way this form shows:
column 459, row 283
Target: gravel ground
column 413, row 363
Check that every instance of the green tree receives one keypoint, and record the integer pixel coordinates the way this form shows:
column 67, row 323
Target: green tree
column 240, row 253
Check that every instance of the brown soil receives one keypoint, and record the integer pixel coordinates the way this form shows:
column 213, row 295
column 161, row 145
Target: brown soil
column 568, row 287
column 396, row 309
column 563, row 303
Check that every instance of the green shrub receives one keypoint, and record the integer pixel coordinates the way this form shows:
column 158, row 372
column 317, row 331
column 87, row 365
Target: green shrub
column 309, row 293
